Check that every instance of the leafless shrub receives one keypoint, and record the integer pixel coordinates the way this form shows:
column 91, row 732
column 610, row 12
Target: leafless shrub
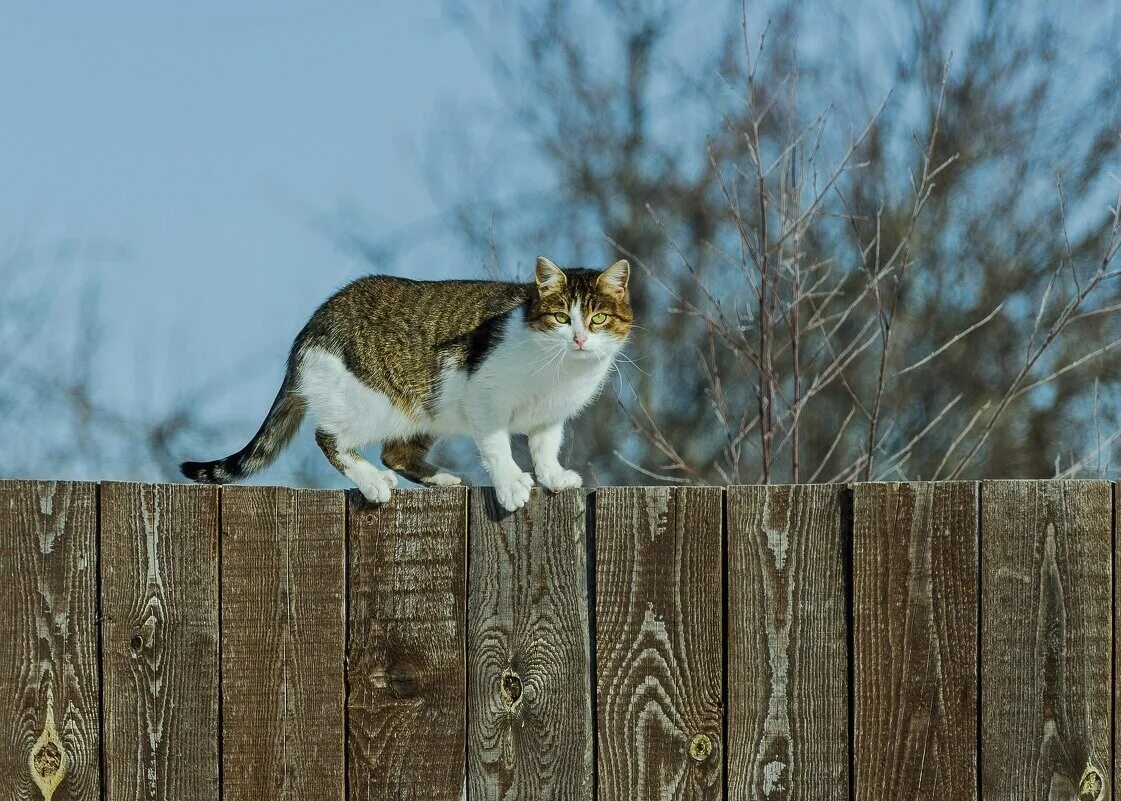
column 837, row 295
column 806, row 327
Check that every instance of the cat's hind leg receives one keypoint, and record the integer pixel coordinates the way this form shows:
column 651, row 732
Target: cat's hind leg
column 407, row 457
column 376, row 485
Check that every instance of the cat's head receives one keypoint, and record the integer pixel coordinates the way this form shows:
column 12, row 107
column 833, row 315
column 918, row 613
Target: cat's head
column 586, row 311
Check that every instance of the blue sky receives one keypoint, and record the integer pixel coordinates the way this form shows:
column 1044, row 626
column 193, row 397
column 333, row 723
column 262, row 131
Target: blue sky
column 179, row 156
column 181, row 152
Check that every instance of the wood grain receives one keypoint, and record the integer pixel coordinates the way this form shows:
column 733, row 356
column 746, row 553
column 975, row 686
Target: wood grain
column 529, row 680
column 283, row 643
column 659, row 611
column 787, row 678
column 48, row 640
column 407, row 678
column 159, row 629
column 915, row 641
column 1046, row 639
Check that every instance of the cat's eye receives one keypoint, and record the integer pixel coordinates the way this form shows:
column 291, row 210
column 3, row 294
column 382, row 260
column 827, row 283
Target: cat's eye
column 561, row 317
column 599, row 319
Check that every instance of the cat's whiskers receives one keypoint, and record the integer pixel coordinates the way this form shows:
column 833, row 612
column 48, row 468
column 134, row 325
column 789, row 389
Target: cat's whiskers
column 548, row 350
column 613, row 367
column 560, row 361
column 555, row 354
column 630, row 361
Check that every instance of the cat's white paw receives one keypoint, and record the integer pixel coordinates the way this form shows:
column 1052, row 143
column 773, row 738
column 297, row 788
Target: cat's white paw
column 443, row 480
column 376, row 485
column 561, row 480
column 513, row 492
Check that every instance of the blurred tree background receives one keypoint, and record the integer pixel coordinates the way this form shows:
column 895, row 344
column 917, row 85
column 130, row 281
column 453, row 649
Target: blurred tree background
column 655, row 156
column 814, row 200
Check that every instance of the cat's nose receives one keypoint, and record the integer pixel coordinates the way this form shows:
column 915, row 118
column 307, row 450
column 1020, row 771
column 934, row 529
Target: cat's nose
column 580, row 339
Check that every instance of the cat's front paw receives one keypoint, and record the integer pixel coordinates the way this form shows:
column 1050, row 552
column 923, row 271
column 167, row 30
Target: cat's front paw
column 376, row 485
column 561, row 480
column 513, row 492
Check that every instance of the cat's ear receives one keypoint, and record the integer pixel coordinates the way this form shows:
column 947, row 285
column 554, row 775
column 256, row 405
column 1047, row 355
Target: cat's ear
column 613, row 280
column 550, row 277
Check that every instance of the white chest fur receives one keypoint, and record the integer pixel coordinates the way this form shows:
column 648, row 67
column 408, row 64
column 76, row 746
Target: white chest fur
column 522, row 386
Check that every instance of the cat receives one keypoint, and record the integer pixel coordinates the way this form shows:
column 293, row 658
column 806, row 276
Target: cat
column 401, row 363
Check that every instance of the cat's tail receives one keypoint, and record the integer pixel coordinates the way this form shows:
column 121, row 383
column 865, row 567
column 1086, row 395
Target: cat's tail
column 281, row 424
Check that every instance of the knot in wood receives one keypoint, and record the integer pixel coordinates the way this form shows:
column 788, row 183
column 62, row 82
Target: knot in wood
column 700, row 747
column 1092, row 786
column 145, row 635
column 511, row 689
column 47, row 760
column 404, row 680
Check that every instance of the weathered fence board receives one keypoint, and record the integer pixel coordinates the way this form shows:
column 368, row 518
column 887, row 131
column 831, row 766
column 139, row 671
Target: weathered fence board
column 49, row 716
column 283, row 644
column 407, row 680
column 659, row 652
column 915, row 641
column 529, row 670
column 787, row 678
column 1046, row 639
column 159, row 640
column 884, row 641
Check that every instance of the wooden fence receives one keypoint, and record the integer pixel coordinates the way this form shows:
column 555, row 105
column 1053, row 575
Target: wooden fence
column 882, row 641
